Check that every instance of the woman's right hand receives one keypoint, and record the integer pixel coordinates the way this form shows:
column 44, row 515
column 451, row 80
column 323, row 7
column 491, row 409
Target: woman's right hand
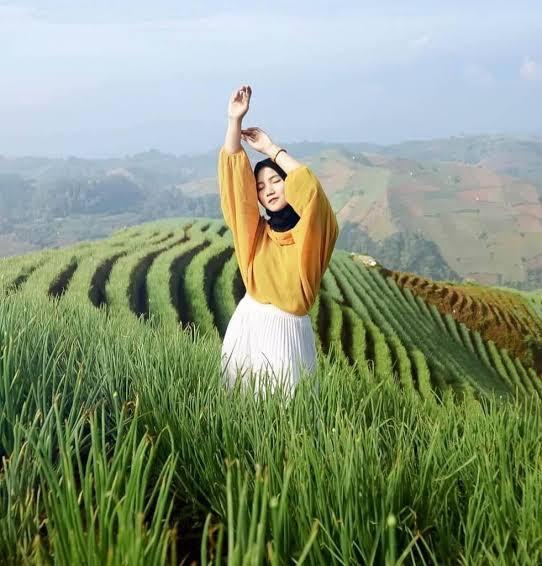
column 257, row 139
column 239, row 101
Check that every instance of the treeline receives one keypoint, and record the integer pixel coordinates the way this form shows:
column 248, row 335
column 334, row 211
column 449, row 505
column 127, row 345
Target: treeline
column 532, row 282
column 146, row 183
column 23, row 200
column 402, row 251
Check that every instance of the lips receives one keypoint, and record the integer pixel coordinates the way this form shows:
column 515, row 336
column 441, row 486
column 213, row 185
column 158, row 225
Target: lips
column 274, row 199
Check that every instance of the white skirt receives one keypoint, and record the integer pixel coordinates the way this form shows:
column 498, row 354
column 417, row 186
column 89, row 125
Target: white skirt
column 267, row 344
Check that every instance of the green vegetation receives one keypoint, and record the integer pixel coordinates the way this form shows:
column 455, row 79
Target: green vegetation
column 509, row 317
column 119, row 443
column 405, row 251
column 474, row 197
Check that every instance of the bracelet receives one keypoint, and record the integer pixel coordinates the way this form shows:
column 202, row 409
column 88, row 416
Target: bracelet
column 275, row 158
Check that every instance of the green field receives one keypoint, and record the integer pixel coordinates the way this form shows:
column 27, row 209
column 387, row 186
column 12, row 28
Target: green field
column 120, row 445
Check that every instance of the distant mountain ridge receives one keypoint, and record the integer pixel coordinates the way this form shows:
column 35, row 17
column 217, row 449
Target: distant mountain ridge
column 455, row 208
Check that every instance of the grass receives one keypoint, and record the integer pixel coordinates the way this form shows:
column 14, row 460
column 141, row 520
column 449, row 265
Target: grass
column 119, row 444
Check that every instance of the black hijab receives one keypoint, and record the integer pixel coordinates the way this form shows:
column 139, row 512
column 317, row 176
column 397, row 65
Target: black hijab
column 287, row 217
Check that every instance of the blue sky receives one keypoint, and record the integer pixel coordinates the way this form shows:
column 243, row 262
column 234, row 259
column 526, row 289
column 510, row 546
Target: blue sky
column 97, row 79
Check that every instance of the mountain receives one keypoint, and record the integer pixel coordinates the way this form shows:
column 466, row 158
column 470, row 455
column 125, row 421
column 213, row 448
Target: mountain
column 519, row 157
column 454, row 209
column 487, row 226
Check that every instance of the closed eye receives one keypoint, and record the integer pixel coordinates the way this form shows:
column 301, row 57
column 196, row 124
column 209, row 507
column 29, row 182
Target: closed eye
column 273, row 178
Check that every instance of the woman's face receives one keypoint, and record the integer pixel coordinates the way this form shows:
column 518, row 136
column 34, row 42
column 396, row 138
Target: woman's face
column 270, row 187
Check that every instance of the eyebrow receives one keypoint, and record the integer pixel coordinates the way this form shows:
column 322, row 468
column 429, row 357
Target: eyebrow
column 270, row 178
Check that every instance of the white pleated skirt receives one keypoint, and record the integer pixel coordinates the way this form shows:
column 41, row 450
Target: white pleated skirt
column 265, row 346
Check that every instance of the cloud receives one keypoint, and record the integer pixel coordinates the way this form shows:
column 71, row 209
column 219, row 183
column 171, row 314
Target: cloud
column 530, row 70
column 420, row 41
column 82, row 66
column 479, row 75
column 12, row 14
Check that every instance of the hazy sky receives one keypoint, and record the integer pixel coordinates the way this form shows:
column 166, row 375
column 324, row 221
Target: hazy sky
column 102, row 78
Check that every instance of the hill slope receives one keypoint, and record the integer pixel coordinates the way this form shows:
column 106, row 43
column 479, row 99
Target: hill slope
column 457, row 208
column 486, row 226
column 183, row 273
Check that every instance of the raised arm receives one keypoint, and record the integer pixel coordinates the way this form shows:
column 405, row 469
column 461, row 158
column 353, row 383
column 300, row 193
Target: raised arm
column 260, row 141
column 317, row 230
column 237, row 185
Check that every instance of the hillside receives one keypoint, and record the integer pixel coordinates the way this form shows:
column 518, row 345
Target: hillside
column 458, row 209
column 114, row 417
column 438, row 340
column 486, row 226
column 519, row 157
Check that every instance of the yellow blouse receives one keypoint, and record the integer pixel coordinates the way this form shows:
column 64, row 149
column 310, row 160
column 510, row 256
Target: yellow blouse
column 282, row 268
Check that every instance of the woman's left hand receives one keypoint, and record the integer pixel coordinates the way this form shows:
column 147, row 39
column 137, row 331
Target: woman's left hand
column 257, row 139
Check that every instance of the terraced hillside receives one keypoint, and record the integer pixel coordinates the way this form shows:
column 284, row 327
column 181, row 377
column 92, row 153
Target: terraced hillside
column 435, row 339
column 509, row 318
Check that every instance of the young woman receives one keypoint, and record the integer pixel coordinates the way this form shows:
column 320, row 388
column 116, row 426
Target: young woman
column 281, row 260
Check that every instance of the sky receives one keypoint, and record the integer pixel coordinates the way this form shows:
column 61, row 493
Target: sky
column 111, row 78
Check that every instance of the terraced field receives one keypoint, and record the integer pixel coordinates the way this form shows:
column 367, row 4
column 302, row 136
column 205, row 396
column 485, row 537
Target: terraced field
column 511, row 319
column 119, row 443
column 436, row 339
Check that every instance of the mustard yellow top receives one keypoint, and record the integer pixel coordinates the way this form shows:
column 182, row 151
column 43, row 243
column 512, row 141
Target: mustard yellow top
column 282, row 268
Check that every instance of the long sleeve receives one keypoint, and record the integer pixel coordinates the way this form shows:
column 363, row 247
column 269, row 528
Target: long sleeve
column 239, row 203
column 316, row 231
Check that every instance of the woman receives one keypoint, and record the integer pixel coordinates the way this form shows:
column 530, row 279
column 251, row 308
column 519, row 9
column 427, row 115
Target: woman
column 281, row 260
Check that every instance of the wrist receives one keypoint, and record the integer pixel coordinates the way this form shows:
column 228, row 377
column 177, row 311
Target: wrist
column 235, row 119
column 272, row 149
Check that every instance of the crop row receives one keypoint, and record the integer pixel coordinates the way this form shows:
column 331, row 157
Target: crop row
column 185, row 274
